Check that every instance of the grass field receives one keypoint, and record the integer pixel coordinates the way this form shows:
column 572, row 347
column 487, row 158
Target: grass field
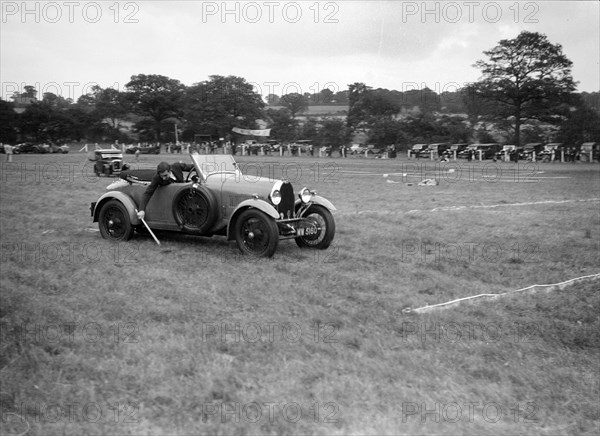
column 190, row 337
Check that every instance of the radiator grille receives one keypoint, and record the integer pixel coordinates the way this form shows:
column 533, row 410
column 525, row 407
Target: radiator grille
column 287, row 200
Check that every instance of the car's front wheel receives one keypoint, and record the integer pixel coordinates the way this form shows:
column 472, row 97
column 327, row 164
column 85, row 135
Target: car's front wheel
column 114, row 221
column 321, row 229
column 256, row 234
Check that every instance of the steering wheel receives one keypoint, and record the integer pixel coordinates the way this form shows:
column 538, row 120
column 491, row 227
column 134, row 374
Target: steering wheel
column 190, row 176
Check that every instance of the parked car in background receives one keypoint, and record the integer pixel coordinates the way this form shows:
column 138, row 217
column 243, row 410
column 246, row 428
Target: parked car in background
column 273, row 146
column 437, row 148
column 531, row 148
column 508, row 151
column 63, row 149
column 468, row 152
column 551, row 151
column 217, row 199
column 589, row 152
column 417, row 150
column 357, row 149
column 107, row 162
column 26, row 147
column 149, row 149
column 457, row 148
column 485, row 151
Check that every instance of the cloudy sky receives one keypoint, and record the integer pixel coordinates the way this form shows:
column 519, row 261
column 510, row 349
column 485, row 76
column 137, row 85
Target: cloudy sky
column 65, row 47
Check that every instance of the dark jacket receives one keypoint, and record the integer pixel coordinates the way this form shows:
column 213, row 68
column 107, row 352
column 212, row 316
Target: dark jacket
column 177, row 170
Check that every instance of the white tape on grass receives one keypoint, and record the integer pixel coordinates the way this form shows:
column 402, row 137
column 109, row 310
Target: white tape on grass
column 547, row 288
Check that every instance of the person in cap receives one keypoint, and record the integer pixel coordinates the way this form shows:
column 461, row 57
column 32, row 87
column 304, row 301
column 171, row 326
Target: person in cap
column 165, row 175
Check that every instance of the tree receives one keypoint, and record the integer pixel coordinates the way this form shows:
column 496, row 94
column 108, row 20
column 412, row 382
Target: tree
column 295, row 103
column 527, row 76
column 8, row 122
column 110, row 104
column 369, row 106
column 355, row 111
column 217, row 105
column 283, row 126
column 333, row 133
column 157, row 97
column 582, row 124
column 325, row 96
column 309, row 130
column 272, row 99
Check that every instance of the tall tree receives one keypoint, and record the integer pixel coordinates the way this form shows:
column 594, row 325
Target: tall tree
column 8, row 122
column 333, row 132
column 295, row 103
column 283, row 126
column 157, row 97
column 369, row 106
column 217, row 105
column 110, row 104
column 355, row 111
column 528, row 76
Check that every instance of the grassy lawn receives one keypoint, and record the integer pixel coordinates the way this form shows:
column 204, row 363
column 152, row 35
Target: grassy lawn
column 191, row 337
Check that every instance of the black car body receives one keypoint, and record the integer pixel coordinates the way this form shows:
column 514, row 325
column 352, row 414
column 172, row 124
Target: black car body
column 107, row 162
column 217, row 199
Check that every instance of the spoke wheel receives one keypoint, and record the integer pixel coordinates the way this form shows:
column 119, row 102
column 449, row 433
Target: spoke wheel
column 322, row 229
column 195, row 210
column 256, row 233
column 114, row 221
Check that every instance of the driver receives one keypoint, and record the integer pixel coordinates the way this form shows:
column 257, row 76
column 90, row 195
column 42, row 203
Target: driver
column 165, row 175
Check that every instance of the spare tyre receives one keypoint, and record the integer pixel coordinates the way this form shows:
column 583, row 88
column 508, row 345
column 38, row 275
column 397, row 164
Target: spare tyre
column 195, row 210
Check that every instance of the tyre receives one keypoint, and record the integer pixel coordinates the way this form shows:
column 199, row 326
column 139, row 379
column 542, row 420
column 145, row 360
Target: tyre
column 323, row 229
column 114, row 222
column 195, row 210
column 256, row 233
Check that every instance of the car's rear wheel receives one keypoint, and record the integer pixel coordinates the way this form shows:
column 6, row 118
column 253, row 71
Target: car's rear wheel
column 114, row 222
column 321, row 230
column 256, row 234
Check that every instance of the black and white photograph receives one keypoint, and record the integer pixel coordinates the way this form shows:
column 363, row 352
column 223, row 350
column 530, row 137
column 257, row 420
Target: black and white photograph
column 299, row 217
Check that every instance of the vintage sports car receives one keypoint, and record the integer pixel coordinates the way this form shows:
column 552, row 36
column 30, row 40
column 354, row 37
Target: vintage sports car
column 217, row 199
column 107, row 161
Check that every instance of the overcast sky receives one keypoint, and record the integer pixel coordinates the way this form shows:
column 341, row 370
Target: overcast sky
column 65, row 47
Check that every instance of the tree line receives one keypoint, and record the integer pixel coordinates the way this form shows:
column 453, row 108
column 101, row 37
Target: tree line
column 525, row 94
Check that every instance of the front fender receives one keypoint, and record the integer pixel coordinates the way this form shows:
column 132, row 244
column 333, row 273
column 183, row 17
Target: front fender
column 123, row 198
column 246, row 204
column 317, row 199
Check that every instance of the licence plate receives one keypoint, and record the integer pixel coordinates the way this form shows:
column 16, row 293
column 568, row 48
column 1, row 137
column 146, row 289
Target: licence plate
column 307, row 231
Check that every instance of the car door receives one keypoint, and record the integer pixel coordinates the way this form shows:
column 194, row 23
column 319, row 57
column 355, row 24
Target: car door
column 159, row 211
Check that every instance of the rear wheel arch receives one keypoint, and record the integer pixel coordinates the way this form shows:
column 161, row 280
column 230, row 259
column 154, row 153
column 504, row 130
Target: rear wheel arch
column 127, row 202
